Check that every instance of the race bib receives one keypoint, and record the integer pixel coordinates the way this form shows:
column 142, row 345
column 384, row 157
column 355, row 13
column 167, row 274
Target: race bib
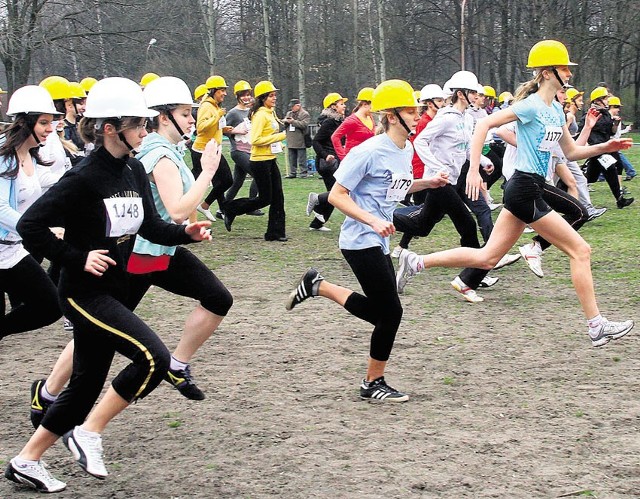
column 124, row 216
column 399, row 188
column 552, row 135
column 222, row 123
column 276, row 147
column 292, row 128
column 606, row 160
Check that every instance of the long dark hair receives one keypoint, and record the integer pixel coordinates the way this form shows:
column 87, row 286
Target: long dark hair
column 18, row 132
column 92, row 129
column 258, row 103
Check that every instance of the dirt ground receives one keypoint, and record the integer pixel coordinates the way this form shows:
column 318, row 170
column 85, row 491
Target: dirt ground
column 508, row 398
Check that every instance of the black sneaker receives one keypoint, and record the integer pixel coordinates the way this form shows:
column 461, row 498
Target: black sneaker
column 623, row 202
column 378, row 391
column 306, row 288
column 256, row 213
column 39, row 406
column 181, row 381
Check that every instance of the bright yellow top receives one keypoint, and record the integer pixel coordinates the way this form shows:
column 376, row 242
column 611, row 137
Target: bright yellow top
column 207, row 128
column 264, row 132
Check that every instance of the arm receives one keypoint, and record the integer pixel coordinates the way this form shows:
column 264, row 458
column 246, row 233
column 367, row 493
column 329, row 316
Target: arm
column 303, row 122
column 256, row 138
column 589, row 122
column 422, row 142
column 440, row 179
column 167, row 178
column 323, row 136
column 8, row 216
column 567, row 177
column 573, row 151
column 336, row 139
column 208, row 117
column 509, row 136
column 339, row 197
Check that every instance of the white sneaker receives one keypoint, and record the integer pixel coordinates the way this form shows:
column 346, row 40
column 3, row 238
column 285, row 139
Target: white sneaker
column 396, row 252
column 86, row 448
column 609, row 331
column 312, row 202
column 532, row 254
column 319, row 217
column 506, row 260
column 494, row 206
column 321, row 229
column 207, row 214
column 67, row 325
column 469, row 294
column 33, row 474
column 488, row 281
column 528, row 230
column 408, row 266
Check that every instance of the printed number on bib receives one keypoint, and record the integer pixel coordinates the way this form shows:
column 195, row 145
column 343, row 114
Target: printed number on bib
column 552, row 135
column 606, row 160
column 124, row 216
column 276, row 147
column 400, row 184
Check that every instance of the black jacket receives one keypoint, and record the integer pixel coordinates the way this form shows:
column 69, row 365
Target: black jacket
column 329, row 121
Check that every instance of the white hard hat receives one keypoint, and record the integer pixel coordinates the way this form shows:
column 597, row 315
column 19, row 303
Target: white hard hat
column 31, row 99
column 167, row 90
column 432, row 91
column 117, row 98
column 463, row 80
column 480, row 90
column 446, row 89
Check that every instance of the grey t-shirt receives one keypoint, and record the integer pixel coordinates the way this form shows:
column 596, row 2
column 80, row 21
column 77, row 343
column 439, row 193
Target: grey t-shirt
column 234, row 118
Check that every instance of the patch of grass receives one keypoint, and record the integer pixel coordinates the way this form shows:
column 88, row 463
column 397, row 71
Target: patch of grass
column 448, row 380
column 174, row 419
column 579, row 414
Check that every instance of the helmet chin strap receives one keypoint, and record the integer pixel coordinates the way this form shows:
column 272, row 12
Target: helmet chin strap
column 402, row 122
column 562, row 83
column 175, row 124
column 36, row 138
column 126, row 143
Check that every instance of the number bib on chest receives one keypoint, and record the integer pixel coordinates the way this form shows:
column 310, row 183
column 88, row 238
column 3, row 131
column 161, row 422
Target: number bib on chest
column 276, row 147
column 400, row 184
column 552, row 135
column 124, row 216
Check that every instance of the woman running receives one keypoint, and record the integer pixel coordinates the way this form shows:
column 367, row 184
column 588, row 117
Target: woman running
column 371, row 180
column 266, row 142
column 540, row 125
column 116, row 203
column 21, row 276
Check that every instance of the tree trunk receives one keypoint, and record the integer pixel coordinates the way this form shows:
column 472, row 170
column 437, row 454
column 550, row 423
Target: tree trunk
column 267, row 40
column 301, row 50
column 383, row 61
column 102, row 53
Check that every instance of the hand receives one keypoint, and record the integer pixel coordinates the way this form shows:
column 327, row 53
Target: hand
column 382, row 227
column 98, row 262
column 58, row 232
column 474, row 183
column 330, row 159
column 227, row 129
column 211, row 157
column 488, row 169
column 615, row 145
column 199, row 231
column 592, row 117
column 440, row 179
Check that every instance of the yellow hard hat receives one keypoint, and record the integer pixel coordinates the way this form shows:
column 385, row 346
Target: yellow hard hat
column 505, row 96
column 76, row 90
column 200, row 91
column 57, row 86
column 2, row 91
column 215, row 81
column 241, row 86
column 148, row 78
column 549, row 53
column 392, row 94
column 365, row 94
column 489, row 91
column 87, row 83
column 614, row 101
column 332, row 98
column 572, row 94
column 598, row 93
column 264, row 87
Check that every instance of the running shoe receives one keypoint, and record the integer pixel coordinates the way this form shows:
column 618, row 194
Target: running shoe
column 86, row 448
column 528, row 230
column 39, row 406
column 228, row 221
column 312, row 202
column 319, row 217
column 207, row 214
column 409, row 264
column 494, row 206
column 506, row 260
column 608, row 331
column 182, row 381
column 467, row 293
column 219, row 215
column 322, row 228
column 34, row 475
column 532, row 254
column 623, row 202
column 67, row 325
column 595, row 213
column 306, row 288
column 378, row 391
column 396, row 252
column 488, row 281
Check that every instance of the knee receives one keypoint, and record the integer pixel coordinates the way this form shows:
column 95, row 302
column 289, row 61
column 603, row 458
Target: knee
column 582, row 252
column 218, row 303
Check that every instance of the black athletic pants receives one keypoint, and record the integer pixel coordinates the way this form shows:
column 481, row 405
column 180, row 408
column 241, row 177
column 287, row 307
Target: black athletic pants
column 241, row 169
column 220, row 182
column 324, row 207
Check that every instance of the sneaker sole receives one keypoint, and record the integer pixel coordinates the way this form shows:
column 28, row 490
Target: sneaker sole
column 70, row 444
column 478, row 299
column 606, row 339
column 15, row 476
column 396, row 400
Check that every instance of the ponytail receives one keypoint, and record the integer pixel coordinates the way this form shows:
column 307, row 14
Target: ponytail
column 528, row 88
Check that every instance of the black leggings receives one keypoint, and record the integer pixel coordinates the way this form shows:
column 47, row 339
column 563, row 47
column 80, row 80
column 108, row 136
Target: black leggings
column 324, row 207
column 185, row 276
column 241, row 170
column 34, row 294
column 220, row 182
column 103, row 325
column 594, row 169
column 380, row 304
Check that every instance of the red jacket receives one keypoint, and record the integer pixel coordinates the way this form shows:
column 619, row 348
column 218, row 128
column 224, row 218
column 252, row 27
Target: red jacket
column 418, row 165
column 355, row 131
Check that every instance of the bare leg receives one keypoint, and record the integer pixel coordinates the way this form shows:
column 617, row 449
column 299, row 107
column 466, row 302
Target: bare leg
column 61, row 372
column 198, row 327
column 108, row 408
column 559, row 233
column 375, row 369
column 38, row 444
column 334, row 292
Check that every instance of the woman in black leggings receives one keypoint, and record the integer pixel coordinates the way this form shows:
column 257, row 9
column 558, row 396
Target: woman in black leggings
column 102, row 204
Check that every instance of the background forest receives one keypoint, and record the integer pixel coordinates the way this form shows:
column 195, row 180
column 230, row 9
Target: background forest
column 309, row 48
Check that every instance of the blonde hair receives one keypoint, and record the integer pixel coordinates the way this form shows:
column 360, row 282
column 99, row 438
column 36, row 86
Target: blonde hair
column 529, row 87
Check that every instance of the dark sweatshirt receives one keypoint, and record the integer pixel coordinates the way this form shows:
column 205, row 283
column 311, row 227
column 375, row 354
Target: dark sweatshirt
column 78, row 202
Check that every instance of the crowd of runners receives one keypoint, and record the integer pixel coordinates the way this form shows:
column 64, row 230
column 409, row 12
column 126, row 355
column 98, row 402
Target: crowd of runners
column 93, row 179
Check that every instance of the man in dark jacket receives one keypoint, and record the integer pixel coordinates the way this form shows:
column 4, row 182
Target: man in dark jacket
column 296, row 122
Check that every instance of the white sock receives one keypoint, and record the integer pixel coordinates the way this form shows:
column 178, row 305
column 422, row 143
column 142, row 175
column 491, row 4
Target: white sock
column 22, row 462
column 416, row 261
column 177, row 365
column 44, row 393
column 87, row 433
column 595, row 323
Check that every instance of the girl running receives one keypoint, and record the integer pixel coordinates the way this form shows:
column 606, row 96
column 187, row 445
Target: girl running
column 540, row 125
column 115, row 198
column 371, row 180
